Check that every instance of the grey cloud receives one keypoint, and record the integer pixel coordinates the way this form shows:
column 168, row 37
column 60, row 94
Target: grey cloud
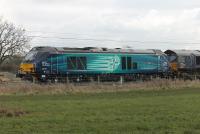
column 143, row 20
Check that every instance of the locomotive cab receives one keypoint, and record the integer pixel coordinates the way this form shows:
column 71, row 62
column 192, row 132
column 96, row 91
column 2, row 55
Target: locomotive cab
column 27, row 65
column 184, row 60
column 32, row 59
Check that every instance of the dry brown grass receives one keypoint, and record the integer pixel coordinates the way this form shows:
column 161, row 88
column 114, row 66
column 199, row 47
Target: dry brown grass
column 33, row 89
column 12, row 112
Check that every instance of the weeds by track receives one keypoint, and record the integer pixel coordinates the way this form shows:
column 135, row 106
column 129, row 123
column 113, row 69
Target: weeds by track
column 22, row 87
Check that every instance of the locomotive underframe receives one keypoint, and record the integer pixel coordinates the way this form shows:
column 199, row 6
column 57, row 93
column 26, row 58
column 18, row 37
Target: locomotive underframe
column 65, row 78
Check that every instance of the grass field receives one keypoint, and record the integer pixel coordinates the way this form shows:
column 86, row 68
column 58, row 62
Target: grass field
column 174, row 111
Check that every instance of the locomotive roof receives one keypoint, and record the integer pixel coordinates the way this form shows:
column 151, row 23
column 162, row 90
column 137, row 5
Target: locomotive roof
column 184, row 52
column 96, row 50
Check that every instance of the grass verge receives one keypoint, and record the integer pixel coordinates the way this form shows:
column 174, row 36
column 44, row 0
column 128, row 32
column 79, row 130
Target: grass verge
column 26, row 88
column 130, row 112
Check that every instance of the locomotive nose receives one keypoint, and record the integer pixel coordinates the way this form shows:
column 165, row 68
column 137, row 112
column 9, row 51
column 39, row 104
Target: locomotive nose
column 174, row 67
column 27, row 68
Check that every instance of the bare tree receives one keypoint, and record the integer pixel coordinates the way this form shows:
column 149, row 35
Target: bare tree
column 13, row 41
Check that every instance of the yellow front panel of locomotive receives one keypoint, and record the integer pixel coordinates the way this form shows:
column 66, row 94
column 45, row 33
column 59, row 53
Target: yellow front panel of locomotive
column 174, row 66
column 27, row 68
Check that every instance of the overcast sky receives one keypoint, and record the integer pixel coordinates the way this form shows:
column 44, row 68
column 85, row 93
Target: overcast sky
column 161, row 24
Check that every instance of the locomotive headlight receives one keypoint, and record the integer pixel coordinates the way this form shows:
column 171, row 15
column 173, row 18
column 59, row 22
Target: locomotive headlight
column 43, row 76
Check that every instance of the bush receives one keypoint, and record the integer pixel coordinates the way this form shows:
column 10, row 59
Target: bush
column 11, row 65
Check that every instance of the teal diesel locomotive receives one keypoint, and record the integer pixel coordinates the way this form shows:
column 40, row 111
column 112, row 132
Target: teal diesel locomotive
column 58, row 64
